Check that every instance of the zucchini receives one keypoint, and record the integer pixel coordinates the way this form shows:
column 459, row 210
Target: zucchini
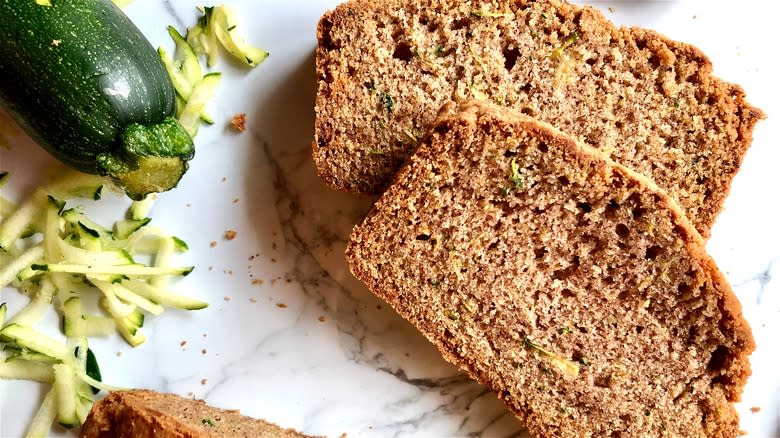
column 84, row 82
column 227, row 34
column 23, row 218
column 124, row 228
column 218, row 24
column 100, row 326
column 14, row 352
column 65, row 387
column 139, row 301
column 164, row 296
column 36, row 371
column 202, row 37
column 202, row 92
column 131, row 269
column 8, row 273
column 129, row 327
column 72, row 321
column 43, row 419
column 34, row 310
column 140, row 209
column 110, row 302
column 33, row 340
column 90, row 365
column 163, row 259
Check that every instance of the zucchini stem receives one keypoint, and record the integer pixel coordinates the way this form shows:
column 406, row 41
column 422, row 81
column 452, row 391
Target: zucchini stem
column 149, row 158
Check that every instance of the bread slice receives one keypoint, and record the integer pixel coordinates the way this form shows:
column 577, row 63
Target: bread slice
column 150, row 414
column 385, row 68
column 570, row 285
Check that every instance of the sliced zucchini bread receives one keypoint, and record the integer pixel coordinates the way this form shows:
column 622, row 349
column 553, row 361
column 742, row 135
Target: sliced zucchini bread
column 143, row 413
column 650, row 103
column 570, row 285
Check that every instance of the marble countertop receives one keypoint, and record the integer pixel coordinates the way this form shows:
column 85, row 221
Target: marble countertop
column 290, row 335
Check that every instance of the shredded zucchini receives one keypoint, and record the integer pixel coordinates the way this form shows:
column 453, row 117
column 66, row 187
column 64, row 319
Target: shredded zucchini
column 29, row 338
column 202, row 94
column 203, row 38
column 36, row 371
column 33, row 311
column 139, row 210
column 225, row 25
column 43, row 419
column 9, row 272
column 67, row 398
column 68, row 255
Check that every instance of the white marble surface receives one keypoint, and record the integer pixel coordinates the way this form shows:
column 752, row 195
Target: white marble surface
column 336, row 359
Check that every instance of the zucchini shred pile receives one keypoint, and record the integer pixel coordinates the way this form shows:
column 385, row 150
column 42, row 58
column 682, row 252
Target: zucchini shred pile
column 91, row 275
column 217, row 26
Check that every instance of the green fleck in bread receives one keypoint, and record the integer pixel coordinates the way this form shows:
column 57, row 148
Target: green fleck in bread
column 149, row 414
column 570, row 285
column 650, row 103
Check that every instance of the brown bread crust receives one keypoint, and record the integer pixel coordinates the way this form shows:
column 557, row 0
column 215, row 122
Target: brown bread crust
column 521, row 273
column 386, row 67
column 148, row 414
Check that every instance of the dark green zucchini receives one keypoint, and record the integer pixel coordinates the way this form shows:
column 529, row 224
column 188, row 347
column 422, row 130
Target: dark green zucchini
column 84, row 82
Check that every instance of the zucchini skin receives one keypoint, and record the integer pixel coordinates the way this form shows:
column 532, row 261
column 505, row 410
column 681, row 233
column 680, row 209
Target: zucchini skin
column 75, row 74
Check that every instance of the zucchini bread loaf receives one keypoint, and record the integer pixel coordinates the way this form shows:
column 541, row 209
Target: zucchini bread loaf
column 572, row 286
column 149, row 414
column 386, row 68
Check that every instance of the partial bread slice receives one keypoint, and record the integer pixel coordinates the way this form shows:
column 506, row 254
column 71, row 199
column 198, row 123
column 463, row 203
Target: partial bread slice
column 149, row 414
column 386, row 67
column 570, row 285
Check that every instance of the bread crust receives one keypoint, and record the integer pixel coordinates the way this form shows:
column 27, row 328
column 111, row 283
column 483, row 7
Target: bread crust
column 629, row 91
column 370, row 254
column 144, row 413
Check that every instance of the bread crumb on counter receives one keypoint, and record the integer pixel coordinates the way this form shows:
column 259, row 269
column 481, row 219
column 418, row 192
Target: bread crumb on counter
column 239, row 122
column 755, row 409
column 230, row 234
column 204, row 381
column 321, row 319
column 213, row 243
column 228, row 298
column 281, row 306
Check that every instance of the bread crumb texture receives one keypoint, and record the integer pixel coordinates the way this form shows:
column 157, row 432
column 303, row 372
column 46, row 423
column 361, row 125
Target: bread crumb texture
column 149, row 414
column 570, row 285
column 238, row 122
column 650, row 103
